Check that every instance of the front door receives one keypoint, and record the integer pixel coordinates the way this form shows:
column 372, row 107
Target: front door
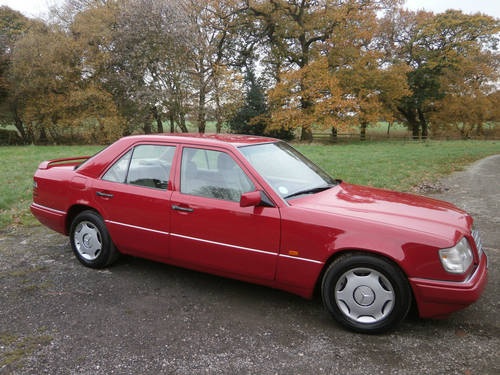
column 210, row 230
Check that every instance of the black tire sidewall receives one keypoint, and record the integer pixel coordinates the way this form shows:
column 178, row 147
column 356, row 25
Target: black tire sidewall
column 108, row 253
column 394, row 275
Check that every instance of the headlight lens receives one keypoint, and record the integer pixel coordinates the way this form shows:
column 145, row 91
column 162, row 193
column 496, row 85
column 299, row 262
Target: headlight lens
column 457, row 259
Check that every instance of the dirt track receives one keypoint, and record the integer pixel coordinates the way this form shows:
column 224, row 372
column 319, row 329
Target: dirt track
column 140, row 317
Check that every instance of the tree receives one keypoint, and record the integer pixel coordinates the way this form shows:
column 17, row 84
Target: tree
column 369, row 81
column 53, row 96
column 147, row 69
column 300, row 35
column 323, row 64
column 335, row 79
column 214, row 82
column 433, row 47
column 248, row 119
column 12, row 26
column 168, row 58
column 469, row 101
column 327, row 105
column 292, row 29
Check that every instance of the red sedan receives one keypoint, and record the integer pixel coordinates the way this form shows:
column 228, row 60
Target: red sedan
column 255, row 209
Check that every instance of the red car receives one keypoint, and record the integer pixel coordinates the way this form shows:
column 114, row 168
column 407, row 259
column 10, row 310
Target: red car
column 255, row 209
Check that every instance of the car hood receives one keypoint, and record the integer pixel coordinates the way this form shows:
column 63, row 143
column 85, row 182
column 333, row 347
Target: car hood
column 396, row 209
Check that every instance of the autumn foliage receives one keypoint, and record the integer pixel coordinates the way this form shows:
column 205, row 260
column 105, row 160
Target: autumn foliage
column 100, row 69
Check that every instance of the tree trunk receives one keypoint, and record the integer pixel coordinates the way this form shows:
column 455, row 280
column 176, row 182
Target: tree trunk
column 172, row 123
column 182, row 123
column 411, row 118
column 479, row 129
column 43, row 136
column 157, row 117
column 218, row 113
column 334, row 134
column 306, row 134
column 415, row 130
column 20, row 128
column 219, row 123
column 423, row 124
column 202, row 96
column 362, row 131
column 201, row 113
column 18, row 123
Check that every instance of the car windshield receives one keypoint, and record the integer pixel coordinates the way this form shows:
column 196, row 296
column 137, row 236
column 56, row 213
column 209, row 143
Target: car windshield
column 288, row 172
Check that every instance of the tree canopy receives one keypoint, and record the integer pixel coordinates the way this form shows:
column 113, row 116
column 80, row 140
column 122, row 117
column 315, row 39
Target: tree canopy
column 100, row 69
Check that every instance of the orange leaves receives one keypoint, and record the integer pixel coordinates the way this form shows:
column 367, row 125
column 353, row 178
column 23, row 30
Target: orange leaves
column 320, row 96
column 307, row 97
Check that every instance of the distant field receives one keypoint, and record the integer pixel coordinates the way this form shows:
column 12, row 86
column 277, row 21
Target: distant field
column 381, row 131
column 394, row 165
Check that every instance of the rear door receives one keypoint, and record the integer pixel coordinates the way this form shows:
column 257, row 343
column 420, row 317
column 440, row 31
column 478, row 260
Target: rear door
column 210, row 230
column 134, row 198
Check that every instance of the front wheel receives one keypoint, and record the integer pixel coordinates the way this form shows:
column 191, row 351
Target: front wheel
column 91, row 242
column 366, row 293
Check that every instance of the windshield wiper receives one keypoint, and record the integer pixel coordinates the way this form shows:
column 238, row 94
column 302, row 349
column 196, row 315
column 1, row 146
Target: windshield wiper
column 310, row 191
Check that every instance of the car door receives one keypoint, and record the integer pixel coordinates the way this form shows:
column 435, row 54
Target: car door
column 134, row 198
column 209, row 230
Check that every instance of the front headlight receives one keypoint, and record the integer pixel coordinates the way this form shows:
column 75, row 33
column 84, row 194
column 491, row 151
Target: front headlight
column 457, row 259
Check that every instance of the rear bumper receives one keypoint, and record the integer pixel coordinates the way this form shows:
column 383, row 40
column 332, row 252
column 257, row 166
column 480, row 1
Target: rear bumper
column 437, row 299
column 54, row 219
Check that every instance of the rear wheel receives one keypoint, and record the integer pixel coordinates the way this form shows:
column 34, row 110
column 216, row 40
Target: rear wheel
column 91, row 242
column 366, row 293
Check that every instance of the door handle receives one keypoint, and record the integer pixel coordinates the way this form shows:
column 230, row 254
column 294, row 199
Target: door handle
column 182, row 209
column 103, row 194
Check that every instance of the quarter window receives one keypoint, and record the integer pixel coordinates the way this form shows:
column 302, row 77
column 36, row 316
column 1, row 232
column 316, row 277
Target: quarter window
column 145, row 165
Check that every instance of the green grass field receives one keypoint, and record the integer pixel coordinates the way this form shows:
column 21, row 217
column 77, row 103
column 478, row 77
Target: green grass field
column 393, row 165
column 397, row 165
column 16, row 171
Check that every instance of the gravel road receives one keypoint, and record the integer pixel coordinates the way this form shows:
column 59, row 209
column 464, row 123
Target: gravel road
column 140, row 317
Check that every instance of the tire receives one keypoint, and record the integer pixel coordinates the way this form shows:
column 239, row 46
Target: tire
column 366, row 293
column 91, row 242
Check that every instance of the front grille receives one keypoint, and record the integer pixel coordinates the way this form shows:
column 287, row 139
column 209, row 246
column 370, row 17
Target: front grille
column 477, row 240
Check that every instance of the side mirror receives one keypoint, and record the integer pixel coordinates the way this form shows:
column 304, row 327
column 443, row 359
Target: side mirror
column 252, row 198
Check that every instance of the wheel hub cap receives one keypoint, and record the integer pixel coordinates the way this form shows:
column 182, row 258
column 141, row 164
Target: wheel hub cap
column 87, row 241
column 364, row 295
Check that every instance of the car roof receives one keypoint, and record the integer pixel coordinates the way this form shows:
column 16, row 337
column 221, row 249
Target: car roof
column 96, row 164
column 234, row 139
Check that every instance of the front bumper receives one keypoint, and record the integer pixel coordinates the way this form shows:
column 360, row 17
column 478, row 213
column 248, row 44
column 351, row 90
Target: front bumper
column 437, row 299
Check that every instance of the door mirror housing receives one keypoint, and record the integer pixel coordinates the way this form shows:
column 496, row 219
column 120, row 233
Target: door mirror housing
column 252, row 198
column 255, row 199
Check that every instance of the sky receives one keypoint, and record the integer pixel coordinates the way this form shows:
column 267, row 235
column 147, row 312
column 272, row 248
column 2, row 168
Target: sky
column 31, row 8
column 490, row 7
column 37, row 8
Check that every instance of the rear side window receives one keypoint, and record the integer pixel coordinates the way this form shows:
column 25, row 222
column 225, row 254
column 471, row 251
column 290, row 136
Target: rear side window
column 144, row 165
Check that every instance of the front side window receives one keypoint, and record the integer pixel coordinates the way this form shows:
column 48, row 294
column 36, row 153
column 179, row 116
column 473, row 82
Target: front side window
column 212, row 174
column 144, row 165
